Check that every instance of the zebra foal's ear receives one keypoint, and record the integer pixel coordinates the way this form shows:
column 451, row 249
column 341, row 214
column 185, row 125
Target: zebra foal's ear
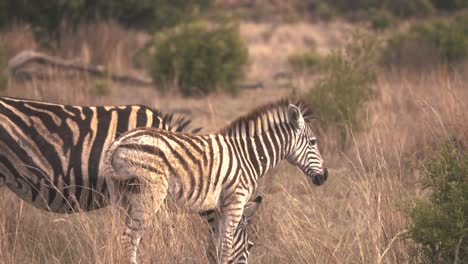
column 295, row 117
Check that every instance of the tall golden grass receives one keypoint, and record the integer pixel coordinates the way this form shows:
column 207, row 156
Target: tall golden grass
column 356, row 217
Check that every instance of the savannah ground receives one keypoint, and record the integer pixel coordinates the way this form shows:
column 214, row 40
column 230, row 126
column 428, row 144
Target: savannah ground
column 358, row 216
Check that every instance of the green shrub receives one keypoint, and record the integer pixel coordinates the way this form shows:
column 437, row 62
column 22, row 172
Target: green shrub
column 341, row 95
column 199, row 58
column 4, row 77
column 325, row 12
column 449, row 37
column 381, row 19
column 304, row 61
column 425, row 44
column 439, row 224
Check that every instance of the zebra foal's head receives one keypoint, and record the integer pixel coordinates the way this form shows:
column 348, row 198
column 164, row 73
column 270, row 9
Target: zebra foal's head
column 305, row 153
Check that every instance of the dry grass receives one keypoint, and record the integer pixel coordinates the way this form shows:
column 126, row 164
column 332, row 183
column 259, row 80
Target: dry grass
column 353, row 218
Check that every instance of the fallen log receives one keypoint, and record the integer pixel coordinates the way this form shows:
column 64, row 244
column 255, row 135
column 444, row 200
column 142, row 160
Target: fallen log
column 18, row 62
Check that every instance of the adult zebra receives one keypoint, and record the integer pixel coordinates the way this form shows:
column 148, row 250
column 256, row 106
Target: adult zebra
column 50, row 154
column 208, row 171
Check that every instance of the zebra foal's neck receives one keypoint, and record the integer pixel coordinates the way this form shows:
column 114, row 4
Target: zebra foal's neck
column 265, row 135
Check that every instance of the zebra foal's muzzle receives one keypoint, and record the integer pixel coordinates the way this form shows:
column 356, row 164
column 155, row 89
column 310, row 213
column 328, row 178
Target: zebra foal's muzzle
column 320, row 178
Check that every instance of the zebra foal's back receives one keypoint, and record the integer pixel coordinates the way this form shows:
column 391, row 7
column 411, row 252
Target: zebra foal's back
column 50, row 154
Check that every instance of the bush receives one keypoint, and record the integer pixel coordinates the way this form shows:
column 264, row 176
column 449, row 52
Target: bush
column 381, row 19
column 449, row 37
column 425, row 44
column 439, row 223
column 304, row 61
column 198, row 58
column 341, row 95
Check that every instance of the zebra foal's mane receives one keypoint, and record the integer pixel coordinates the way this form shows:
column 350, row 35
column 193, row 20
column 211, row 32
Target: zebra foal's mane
column 260, row 112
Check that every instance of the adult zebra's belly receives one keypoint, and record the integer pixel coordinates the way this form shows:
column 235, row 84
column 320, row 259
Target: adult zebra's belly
column 55, row 197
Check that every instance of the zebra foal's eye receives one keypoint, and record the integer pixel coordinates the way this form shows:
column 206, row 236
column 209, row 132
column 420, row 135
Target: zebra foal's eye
column 313, row 141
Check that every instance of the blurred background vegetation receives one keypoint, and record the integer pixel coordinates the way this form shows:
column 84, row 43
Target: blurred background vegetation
column 390, row 52
column 49, row 18
column 198, row 58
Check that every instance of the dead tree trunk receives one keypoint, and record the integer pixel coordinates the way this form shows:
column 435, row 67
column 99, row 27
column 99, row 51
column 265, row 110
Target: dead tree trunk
column 17, row 64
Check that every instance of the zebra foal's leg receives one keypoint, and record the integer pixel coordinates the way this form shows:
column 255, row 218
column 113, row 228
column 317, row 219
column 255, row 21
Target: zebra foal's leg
column 230, row 220
column 232, row 209
column 141, row 201
column 242, row 242
column 130, row 232
column 141, row 192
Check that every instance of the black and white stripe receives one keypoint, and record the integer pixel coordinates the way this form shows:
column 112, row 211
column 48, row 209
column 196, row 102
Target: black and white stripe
column 211, row 171
column 50, row 154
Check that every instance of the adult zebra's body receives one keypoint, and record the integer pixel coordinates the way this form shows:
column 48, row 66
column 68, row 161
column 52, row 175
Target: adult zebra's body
column 50, row 154
column 208, row 171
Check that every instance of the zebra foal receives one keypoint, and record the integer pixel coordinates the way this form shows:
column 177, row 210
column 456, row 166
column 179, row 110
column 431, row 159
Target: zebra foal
column 204, row 172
